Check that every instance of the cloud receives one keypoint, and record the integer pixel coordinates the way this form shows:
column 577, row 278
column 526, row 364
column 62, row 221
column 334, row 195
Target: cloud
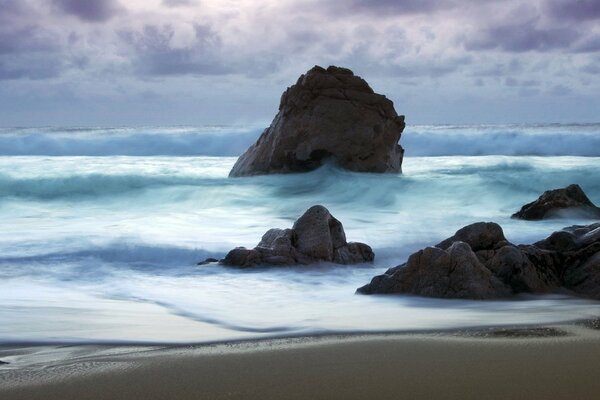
column 560, row 90
column 579, row 10
column 27, row 39
column 89, row 10
column 391, row 6
column 521, row 37
column 155, row 52
column 178, row 3
column 30, row 67
column 590, row 44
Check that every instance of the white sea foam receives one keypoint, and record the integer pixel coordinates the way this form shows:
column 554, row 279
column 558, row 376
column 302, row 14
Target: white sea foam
column 88, row 241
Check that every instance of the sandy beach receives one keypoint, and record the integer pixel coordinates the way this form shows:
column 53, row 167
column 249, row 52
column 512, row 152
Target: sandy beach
column 521, row 363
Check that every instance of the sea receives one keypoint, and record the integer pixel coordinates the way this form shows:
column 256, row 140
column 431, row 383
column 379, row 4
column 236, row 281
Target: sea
column 103, row 227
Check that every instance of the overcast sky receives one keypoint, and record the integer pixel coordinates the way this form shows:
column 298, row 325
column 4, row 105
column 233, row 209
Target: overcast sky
column 128, row 62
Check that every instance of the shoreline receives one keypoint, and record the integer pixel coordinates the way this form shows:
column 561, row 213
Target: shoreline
column 542, row 361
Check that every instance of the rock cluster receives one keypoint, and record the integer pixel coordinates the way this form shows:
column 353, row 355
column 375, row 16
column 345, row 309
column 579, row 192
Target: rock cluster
column 558, row 202
column 316, row 236
column 329, row 114
column 479, row 263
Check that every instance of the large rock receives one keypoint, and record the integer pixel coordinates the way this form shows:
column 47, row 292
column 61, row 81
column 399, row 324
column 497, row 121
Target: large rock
column 581, row 258
column 479, row 263
column 316, row 236
column 329, row 114
column 569, row 201
column 433, row 272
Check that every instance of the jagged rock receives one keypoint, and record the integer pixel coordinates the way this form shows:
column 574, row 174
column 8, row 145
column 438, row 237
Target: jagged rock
column 316, row 236
column 567, row 259
column 433, row 272
column 570, row 201
column 525, row 269
column 329, row 114
column 480, row 236
column 581, row 260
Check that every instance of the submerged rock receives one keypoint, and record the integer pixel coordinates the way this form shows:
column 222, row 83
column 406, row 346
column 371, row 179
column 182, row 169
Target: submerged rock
column 479, row 263
column 559, row 202
column 316, row 236
column 329, row 114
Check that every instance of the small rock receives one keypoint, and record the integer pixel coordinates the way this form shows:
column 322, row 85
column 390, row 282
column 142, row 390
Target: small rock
column 569, row 201
column 316, row 236
column 209, row 260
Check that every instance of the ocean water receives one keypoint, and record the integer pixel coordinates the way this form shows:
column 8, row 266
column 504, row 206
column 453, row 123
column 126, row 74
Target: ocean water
column 102, row 229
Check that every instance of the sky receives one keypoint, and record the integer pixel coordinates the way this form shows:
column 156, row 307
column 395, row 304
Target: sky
column 188, row 62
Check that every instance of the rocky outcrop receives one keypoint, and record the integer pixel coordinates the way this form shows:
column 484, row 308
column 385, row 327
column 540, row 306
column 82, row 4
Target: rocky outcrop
column 452, row 273
column 479, row 263
column 315, row 237
column 569, row 201
column 329, row 114
column 578, row 249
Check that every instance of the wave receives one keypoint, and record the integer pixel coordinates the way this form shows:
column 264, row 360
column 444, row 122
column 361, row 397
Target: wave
column 423, row 176
column 95, row 263
column 170, row 141
column 510, row 140
column 418, row 140
column 93, row 185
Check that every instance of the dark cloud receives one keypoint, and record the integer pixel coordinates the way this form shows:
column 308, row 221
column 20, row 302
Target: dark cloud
column 385, row 7
column 574, row 9
column 560, row 90
column 27, row 39
column 589, row 44
column 35, row 67
column 591, row 69
column 179, row 3
column 523, row 37
column 28, row 50
column 154, row 55
column 497, row 69
column 513, row 82
column 89, row 10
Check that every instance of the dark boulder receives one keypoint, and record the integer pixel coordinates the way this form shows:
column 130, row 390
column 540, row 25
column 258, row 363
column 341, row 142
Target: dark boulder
column 452, row 273
column 316, row 236
column 569, row 201
column 329, row 114
column 479, row 263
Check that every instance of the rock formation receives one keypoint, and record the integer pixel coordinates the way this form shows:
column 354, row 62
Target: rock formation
column 479, row 263
column 557, row 202
column 329, row 114
column 316, row 236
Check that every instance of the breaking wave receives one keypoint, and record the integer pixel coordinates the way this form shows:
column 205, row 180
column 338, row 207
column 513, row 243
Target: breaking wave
column 418, row 140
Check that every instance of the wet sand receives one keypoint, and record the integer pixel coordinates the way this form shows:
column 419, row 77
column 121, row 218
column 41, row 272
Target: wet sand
column 560, row 362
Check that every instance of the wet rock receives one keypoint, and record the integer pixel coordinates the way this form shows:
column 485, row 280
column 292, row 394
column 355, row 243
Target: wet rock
column 209, row 260
column 452, row 273
column 569, row 201
column 329, row 114
column 584, row 277
column 479, row 236
column 316, row 236
column 525, row 269
column 485, row 265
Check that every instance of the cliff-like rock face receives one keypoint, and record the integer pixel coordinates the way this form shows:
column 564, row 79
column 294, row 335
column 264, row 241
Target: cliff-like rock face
column 479, row 263
column 568, row 201
column 328, row 115
column 315, row 237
